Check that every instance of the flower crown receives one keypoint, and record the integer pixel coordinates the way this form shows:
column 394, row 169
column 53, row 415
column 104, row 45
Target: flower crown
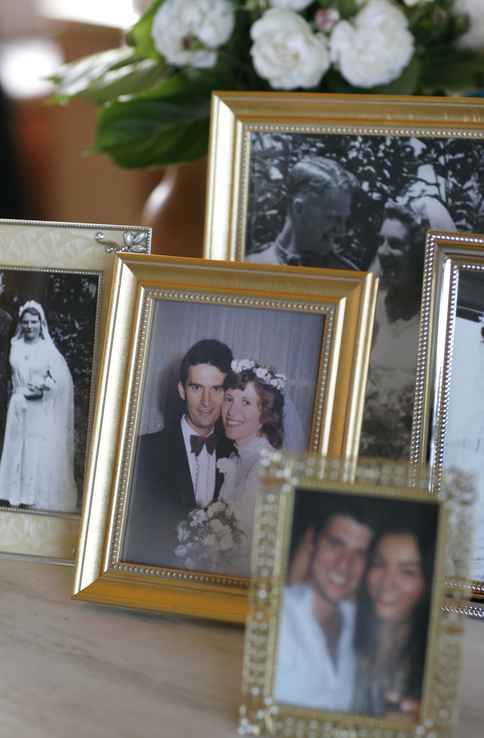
column 265, row 373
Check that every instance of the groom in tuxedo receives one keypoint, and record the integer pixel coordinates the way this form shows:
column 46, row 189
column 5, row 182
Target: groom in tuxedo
column 175, row 469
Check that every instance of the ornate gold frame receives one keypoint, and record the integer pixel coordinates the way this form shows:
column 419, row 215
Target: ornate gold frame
column 347, row 299
column 447, row 256
column 234, row 115
column 75, row 248
column 260, row 713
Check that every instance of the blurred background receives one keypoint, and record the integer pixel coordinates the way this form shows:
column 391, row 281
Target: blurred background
column 47, row 172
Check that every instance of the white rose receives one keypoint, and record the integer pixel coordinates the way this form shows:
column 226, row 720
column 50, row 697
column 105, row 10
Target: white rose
column 375, row 47
column 189, row 33
column 216, row 507
column 286, row 52
column 215, row 526
column 226, row 543
column 474, row 37
column 291, row 4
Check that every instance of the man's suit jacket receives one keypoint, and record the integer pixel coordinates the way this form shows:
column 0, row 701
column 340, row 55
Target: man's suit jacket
column 161, row 496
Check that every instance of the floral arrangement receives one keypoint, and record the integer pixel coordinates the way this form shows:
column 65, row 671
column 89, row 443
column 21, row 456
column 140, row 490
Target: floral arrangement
column 266, row 374
column 153, row 93
column 209, row 538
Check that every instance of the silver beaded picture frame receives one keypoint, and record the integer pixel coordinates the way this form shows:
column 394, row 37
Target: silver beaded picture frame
column 448, row 405
column 309, row 494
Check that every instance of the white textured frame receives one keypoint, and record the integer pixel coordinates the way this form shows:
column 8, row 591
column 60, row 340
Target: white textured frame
column 80, row 248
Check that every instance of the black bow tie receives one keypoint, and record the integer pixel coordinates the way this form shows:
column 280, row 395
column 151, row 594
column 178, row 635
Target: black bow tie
column 198, row 442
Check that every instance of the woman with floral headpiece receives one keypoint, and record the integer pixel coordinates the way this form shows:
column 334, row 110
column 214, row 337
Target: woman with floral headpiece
column 252, row 415
column 37, row 465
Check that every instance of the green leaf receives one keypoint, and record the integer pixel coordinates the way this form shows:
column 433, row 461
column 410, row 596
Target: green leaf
column 75, row 79
column 140, row 34
column 453, row 70
column 142, row 133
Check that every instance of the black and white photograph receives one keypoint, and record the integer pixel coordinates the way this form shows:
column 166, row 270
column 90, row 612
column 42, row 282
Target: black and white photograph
column 464, row 436
column 48, row 323
column 356, row 609
column 222, row 385
column 365, row 202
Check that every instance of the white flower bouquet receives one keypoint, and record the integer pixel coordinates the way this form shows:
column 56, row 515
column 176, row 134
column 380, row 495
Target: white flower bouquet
column 153, row 93
column 209, row 539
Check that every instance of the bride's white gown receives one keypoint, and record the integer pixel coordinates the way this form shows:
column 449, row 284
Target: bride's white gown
column 36, row 466
column 239, row 488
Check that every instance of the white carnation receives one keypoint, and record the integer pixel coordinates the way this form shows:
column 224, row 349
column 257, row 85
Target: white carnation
column 241, row 365
column 375, row 47
column 189, row 33
column 291, row 4
column 286, row 52
column 474, row 37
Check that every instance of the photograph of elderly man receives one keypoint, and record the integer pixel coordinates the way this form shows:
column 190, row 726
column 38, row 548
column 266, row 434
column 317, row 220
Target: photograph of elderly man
column 176, row 468
column 365, row 202
column 319, row 204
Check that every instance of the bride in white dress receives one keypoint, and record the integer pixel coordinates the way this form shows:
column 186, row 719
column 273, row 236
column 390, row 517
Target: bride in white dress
column 37, row 465
column 252, row 415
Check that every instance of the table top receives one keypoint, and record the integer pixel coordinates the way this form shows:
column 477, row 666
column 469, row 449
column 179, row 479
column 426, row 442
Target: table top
column 83, row 670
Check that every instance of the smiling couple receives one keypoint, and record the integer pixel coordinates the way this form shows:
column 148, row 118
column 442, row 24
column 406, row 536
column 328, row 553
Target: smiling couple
column 354, row 623
column 232, row 410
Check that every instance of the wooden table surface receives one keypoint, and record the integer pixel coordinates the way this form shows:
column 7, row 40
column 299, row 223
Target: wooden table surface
column 81, row 670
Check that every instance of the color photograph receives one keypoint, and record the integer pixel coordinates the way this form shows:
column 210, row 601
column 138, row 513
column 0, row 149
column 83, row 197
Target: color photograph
column 222, row 385
column 355, row 612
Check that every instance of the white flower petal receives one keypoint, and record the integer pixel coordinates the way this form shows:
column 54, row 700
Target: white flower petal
column 375, row 47
column 286, row 52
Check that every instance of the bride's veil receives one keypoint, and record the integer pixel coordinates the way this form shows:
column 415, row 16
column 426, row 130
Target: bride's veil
column 294, row 435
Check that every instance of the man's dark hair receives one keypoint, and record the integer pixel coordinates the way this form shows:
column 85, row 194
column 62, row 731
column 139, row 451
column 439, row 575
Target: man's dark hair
column 360, row 509
column 206, row 351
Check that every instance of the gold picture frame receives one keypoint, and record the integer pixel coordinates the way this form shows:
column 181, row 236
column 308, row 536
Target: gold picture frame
column 358, row 514
column 399, row 165
column 160, row 308
column 40, row 260
column 446, row 396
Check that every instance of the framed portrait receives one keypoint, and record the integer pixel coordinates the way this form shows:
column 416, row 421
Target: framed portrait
column 448, row 423
column 207, row 367
column 349, row 181
column 349, row 629
column 54, row 286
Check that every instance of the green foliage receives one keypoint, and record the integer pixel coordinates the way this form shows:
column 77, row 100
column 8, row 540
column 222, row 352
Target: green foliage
column 152, row 114
column 153, row 132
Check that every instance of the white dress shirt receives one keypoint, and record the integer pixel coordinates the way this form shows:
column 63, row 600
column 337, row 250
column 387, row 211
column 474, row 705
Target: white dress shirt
column 305, row 672
column 202, row 467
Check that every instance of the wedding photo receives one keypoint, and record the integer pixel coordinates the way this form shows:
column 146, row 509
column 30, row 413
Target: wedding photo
column 464, row 435
column 355, row 614
column 365, row 202
column 222, row 385
column 48, row 323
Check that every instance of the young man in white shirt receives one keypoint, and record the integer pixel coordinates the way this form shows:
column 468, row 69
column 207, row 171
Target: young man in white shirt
column 315, row 665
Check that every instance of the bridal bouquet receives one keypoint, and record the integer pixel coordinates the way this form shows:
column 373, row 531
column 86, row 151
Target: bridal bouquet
column 209, row 538
column 153, row 93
